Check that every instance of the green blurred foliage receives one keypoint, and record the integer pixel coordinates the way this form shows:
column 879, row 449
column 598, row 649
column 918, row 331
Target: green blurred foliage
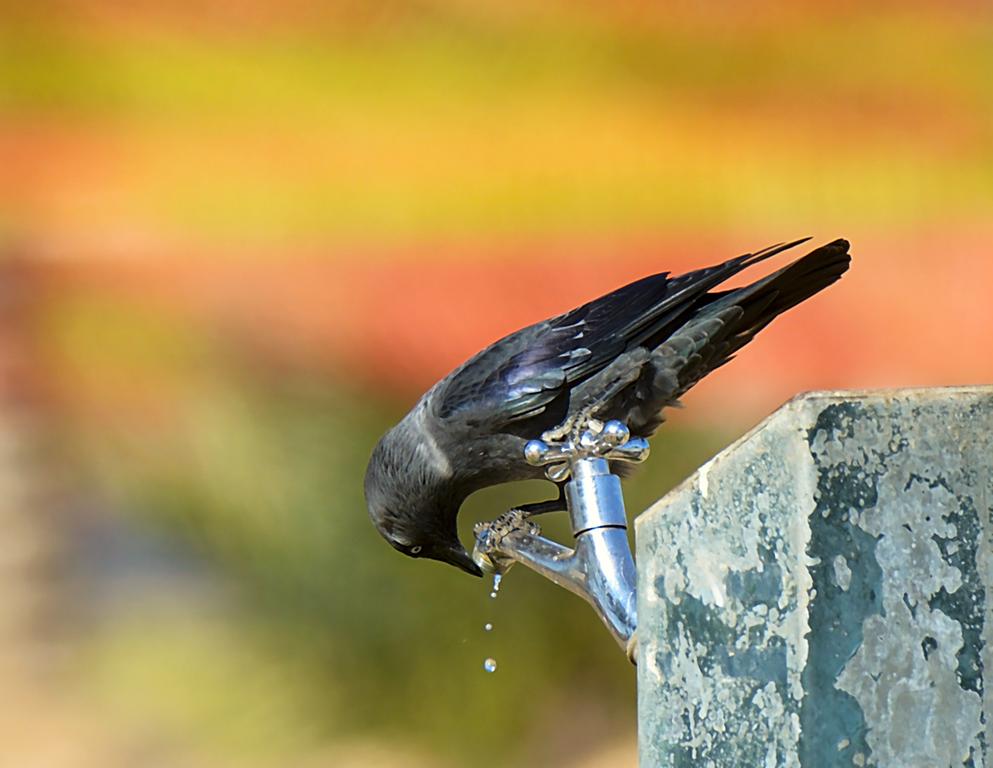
column 331, row 631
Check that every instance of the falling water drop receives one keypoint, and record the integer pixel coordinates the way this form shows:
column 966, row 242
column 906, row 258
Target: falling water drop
column 490, row 665
column 488, row 627
column 496, row 584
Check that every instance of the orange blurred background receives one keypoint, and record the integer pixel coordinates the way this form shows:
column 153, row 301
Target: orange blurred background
column 240, row 238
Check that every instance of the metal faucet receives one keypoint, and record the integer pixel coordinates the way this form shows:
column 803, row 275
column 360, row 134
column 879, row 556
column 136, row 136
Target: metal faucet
column 600, row 569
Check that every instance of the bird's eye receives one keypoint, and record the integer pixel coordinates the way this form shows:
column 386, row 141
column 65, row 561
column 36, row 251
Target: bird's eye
column 415, row 550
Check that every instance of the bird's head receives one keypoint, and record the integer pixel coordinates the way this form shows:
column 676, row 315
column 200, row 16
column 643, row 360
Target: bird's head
column 411, row 510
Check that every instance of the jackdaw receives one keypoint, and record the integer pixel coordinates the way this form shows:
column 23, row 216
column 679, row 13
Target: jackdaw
column 626, row 355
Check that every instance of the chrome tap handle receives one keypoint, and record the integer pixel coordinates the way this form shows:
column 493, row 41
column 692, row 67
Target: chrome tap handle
column 635, row 450
column 611, row 441
column 538, row 453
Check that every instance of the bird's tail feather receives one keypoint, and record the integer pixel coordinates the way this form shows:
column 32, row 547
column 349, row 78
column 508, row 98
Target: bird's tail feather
column 765, row 299
column 767, row 253
column 682, row 295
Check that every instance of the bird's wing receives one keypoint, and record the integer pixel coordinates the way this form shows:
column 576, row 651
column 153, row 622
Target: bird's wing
column 523, row 374
column 722, row 324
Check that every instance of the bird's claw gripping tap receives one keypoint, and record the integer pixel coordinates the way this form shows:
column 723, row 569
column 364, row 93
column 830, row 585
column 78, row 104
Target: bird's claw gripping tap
column 486, row 553
column 600, row 569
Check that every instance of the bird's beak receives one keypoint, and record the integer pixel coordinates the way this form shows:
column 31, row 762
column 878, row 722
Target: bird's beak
column 457, row 556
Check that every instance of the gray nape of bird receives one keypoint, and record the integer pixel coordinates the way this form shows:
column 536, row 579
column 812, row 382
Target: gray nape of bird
column 626, row 355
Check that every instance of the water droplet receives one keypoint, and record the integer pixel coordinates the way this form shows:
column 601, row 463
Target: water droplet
column 490, row 665
column 488, row 627
column 497, row 577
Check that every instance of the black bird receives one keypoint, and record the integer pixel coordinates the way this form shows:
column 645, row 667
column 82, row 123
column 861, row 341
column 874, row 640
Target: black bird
column 627, row 355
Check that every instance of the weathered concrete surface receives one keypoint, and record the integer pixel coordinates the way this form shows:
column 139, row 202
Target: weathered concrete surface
column 819, row 593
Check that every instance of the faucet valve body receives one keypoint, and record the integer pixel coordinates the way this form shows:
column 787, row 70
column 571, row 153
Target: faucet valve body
column 600, row 569
column 594, row 497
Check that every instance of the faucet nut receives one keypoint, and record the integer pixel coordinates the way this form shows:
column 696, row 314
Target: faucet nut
column 588, row 442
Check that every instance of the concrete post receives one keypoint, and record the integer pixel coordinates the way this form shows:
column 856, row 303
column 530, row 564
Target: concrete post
column 819, row 593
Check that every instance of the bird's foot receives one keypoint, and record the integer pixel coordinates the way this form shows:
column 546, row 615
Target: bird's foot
column 573, row 427
column 486, row 552
column 509, row 522
column 557, row 504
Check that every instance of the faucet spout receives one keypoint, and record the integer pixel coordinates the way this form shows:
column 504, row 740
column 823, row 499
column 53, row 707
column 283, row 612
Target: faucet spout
column 515, row 538
column 600, row 568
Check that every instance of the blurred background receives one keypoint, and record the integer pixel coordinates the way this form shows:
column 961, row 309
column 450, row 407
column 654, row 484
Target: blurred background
column 240, row 237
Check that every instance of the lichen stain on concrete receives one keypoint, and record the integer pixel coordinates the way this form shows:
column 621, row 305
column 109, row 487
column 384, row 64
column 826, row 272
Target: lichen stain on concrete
column 905, row 675
column 829, row 716
column 734, row 609
column 842, row 573
column 817, row 594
